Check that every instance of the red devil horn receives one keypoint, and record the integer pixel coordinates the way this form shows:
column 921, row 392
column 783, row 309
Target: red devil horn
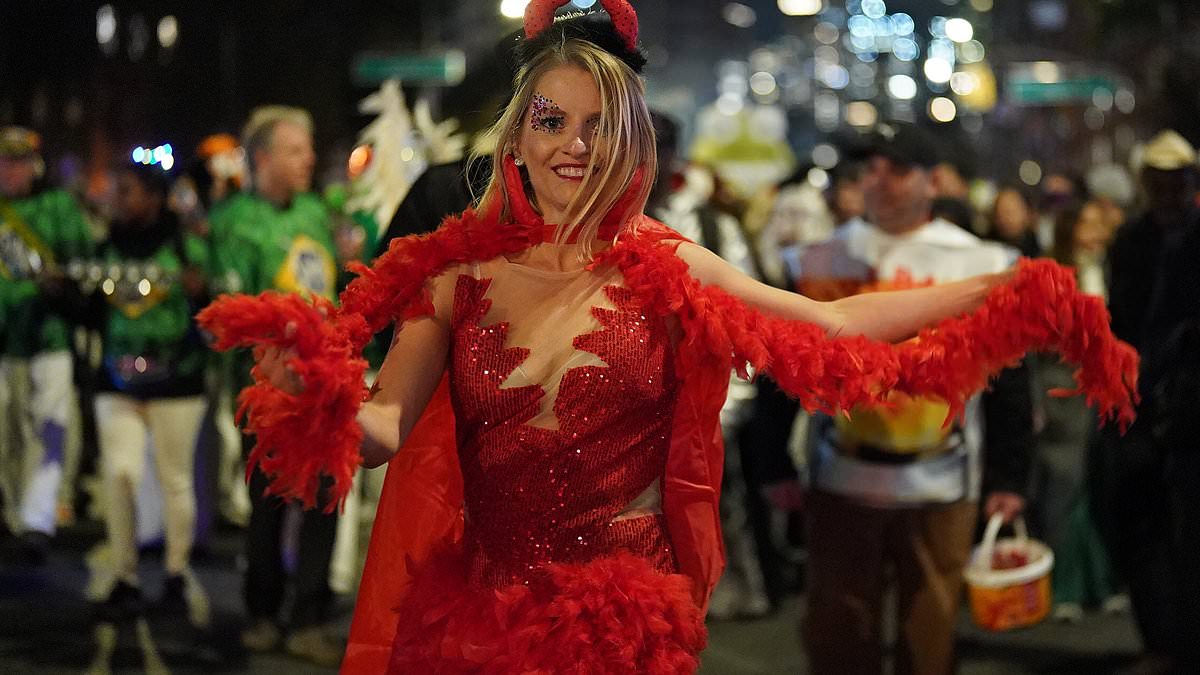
column 624, row 19
column 539, row 15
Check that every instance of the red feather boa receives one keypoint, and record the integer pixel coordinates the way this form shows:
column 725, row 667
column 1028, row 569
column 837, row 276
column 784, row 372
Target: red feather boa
column 1040, row 309
column 301, row 437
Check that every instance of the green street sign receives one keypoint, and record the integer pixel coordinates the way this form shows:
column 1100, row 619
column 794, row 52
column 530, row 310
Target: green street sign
column 1077, row 90
column 446, row 69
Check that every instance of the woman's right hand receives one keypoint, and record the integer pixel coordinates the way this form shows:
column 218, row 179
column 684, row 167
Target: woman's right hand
column 274, row 364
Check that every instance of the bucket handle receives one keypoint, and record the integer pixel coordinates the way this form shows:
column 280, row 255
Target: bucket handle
column 993, row 530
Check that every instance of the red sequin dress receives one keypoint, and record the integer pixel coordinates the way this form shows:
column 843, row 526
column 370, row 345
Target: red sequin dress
column 555, row 509
column 563, row 393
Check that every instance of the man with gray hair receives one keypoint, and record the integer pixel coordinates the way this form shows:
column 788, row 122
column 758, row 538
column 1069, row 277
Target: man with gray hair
column 277, row 236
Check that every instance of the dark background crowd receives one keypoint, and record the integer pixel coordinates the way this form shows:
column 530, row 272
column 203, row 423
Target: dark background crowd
column 155, row 155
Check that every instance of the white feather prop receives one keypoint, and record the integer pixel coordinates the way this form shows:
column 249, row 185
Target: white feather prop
column 397, row 155
column 402, row 145
column 442, row 144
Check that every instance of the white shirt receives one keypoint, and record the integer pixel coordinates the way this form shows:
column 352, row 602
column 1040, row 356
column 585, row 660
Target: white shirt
column 939, row 251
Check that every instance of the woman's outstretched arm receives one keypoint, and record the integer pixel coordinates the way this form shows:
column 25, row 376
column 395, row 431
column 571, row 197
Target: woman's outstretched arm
column 890, row 316
column 406, row 382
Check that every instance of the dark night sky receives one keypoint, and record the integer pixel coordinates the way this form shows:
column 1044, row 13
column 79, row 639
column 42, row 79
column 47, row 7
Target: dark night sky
column 230, row 57
column 233, row 55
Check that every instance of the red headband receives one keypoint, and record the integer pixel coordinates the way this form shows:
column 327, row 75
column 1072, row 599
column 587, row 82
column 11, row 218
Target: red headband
column 539, row 15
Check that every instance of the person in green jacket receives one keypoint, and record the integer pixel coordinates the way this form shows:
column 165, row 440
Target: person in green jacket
column 278, row 236
column 41, row 231
column 140, row 293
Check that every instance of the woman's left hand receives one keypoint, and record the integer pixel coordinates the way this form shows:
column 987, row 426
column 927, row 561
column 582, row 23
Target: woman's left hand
column 274, row 363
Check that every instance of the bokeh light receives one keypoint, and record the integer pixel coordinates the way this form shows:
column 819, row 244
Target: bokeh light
column 942, row 109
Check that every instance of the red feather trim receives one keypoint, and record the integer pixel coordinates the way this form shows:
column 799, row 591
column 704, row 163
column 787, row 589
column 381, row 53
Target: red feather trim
column 326, row 360
column 1040, row 309
column 393, row 288
column 611, row 615
column 299, row 438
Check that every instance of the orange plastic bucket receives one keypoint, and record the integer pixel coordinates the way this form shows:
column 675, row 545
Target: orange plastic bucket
column 1008, row 580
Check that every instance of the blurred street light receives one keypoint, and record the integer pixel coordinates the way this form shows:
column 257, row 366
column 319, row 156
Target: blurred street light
column 825, row 156
column 1125, row 101
column 937, row 26
column 902, row 87
column 971, row 51
column 875, row 9
column 106, row 29
column 818, row 178
column 513, row 9
column 800, row 7
column 742, row 16
column 168, row 31
column 861, row 114
column 959, row 30
column 762, row 83
column 963, row 83
column 942, row 109
column 834, row 76
column 1046, row 72
column 905, row 49
column 938, row 70
column 1030, row 172
column 826, row 33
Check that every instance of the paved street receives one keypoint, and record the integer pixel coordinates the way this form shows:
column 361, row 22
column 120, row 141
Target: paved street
column 46, row 627
column 1097, row 646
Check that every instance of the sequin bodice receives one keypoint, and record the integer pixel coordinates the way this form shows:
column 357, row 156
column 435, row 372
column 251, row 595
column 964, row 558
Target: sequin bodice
column 563, row 394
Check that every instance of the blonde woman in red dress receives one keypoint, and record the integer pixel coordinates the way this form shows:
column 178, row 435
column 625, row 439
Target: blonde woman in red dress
column 549, row 407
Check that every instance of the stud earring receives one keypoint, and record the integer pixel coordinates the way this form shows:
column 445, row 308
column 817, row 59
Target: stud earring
column 518, row 161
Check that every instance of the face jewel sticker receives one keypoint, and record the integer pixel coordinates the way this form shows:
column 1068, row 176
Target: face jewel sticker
column 545, row 115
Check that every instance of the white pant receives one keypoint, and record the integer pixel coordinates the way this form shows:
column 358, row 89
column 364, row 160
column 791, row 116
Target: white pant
column 173, row 424
column 36, row 399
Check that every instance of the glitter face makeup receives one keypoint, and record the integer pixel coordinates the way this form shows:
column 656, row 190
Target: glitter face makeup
column 557, row 136
column 545, row 115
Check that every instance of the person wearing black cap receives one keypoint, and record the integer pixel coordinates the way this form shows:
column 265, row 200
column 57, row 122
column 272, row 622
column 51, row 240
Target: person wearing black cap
column 40, row 231
column 895, row 487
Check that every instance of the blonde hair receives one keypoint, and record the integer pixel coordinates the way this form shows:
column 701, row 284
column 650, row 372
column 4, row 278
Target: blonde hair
column 260, row 128
column 625, row 126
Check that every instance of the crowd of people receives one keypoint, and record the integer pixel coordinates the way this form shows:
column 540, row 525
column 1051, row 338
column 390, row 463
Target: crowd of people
column 109, row 321
column 1125, row 233
column 100, row 342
